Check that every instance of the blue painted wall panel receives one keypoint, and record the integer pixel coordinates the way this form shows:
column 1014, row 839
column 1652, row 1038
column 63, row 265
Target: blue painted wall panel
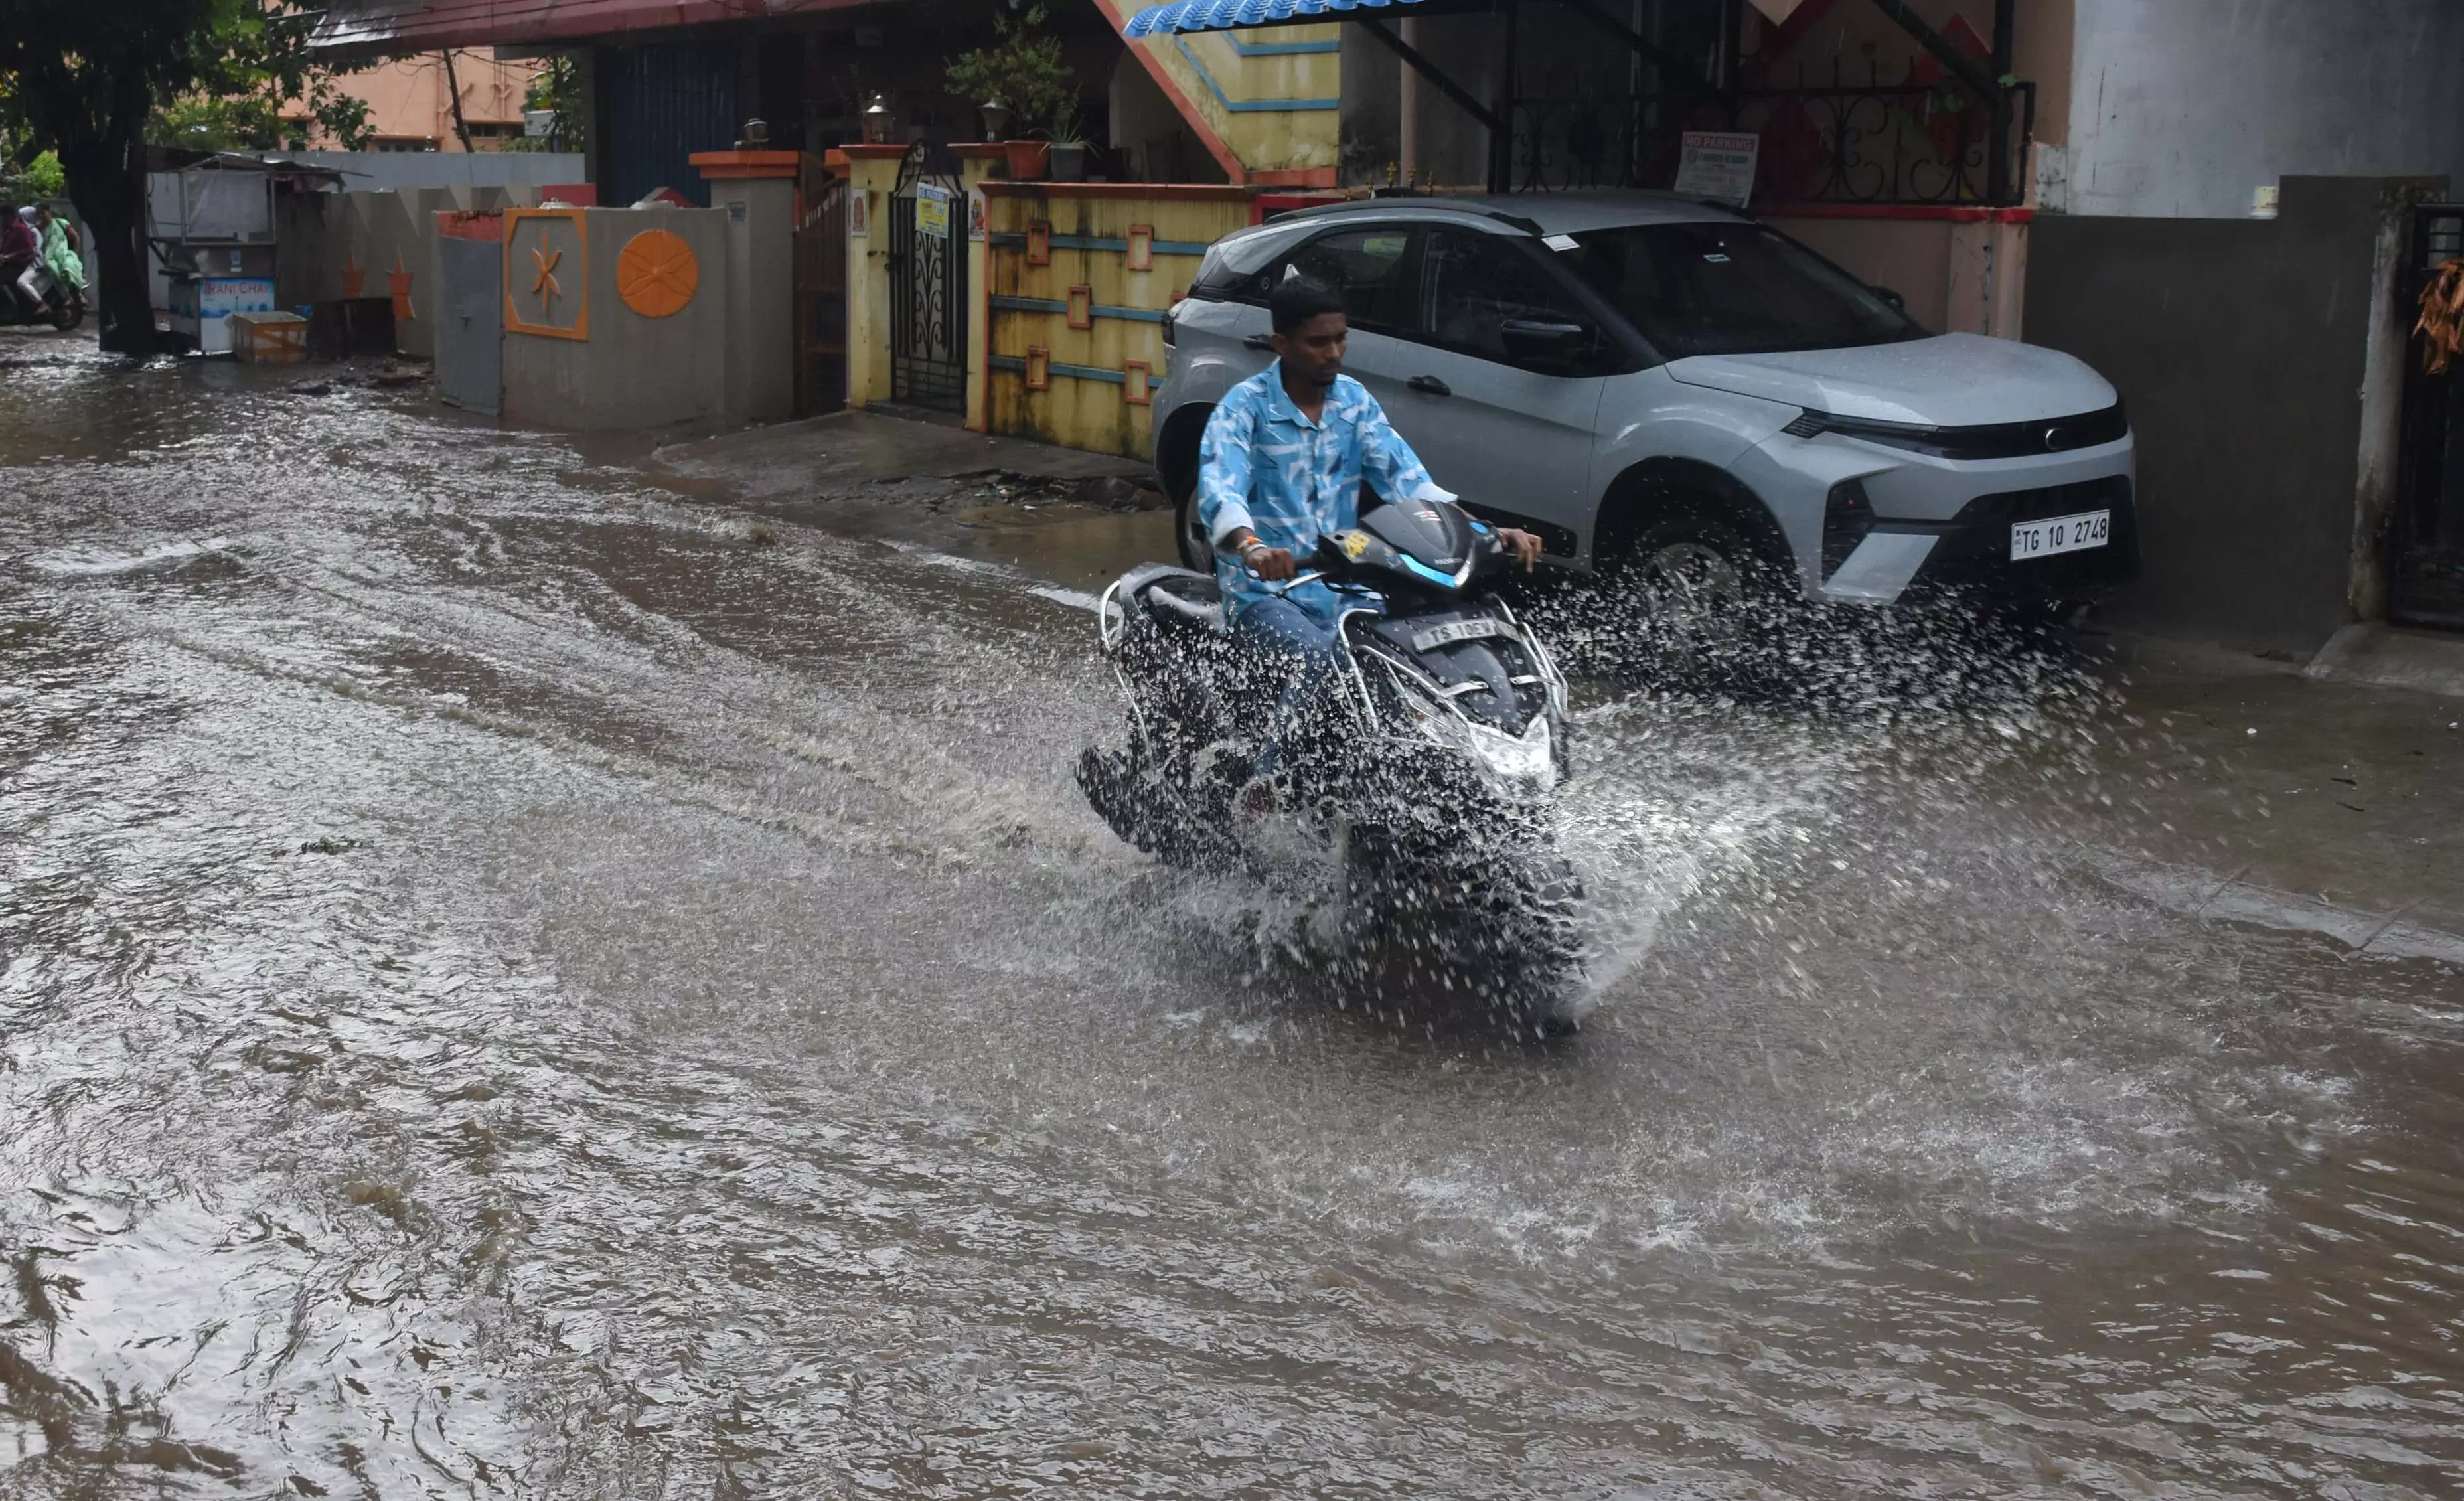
column 658, row 105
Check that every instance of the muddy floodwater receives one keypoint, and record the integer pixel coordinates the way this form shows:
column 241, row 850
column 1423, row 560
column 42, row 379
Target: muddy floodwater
column 518, row 978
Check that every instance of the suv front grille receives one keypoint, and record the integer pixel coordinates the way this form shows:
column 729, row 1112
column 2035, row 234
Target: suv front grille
column 1976, row 545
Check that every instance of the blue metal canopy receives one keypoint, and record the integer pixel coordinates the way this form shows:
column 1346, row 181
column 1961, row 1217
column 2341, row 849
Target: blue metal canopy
column 1223, row 15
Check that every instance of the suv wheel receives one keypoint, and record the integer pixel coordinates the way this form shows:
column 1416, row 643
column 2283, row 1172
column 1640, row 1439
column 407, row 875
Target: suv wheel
column 1196, row 551
column 1707, row 599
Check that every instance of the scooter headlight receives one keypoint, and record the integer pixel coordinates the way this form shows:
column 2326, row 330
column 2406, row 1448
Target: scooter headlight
column 1526, row 761
column 1524, row 764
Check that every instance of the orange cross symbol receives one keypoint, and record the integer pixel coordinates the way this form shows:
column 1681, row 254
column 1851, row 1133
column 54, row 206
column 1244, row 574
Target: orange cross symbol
column 544, row 284
column 398, row 285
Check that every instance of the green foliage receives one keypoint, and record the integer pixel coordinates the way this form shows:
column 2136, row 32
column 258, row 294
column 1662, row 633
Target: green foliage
column 556, row 87
column 217, row 74
column 256, row 90
column 37, row 180
column 205, row 122
column 1023, row 70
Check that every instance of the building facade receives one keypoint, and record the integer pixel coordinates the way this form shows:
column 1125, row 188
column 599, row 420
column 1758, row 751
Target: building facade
column 411, row 102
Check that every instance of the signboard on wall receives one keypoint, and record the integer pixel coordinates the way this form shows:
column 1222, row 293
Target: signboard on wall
column 1718, row 165
column 933, row 211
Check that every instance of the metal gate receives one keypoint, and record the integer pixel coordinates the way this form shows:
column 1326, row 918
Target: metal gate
column 657, row 106
column 820, row 289
column 2427, row 586
column 471, row 328
column 927, row 282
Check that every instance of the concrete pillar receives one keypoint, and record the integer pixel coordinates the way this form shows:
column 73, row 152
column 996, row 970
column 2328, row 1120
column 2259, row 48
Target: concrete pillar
column 977, row 161
column 1989, row 274
column 873, row 175
column 756, row 191
column 1407, row 85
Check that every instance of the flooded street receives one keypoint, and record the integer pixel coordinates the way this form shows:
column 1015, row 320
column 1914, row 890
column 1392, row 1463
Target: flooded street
column 521, row 976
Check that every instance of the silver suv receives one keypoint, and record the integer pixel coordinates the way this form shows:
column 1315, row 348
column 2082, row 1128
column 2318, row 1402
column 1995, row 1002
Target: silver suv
column 1653, row 385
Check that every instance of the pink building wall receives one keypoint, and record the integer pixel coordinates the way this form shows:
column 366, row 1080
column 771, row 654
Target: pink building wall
column 410, row 106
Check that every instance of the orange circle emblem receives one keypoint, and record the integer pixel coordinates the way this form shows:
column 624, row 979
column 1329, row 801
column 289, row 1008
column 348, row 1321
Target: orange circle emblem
column 656, row 273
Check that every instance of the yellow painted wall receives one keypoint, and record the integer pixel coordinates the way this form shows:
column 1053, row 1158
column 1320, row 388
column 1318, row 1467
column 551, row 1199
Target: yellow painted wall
column 1090, row 227
column 872, row 174
column 1282, row 140
column 1240, row 101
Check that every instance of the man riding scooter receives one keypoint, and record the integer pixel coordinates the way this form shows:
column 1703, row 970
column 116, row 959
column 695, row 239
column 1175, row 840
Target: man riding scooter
column 1281, row 467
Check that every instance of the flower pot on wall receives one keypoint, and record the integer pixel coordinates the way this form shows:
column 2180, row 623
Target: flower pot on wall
column 1027, row 158
column 1069, row 164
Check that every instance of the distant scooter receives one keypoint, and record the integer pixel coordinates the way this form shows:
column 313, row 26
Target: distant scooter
column 41, row 298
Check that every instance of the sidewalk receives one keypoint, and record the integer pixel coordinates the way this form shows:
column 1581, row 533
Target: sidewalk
column 1076, row 520
column 2294, row 800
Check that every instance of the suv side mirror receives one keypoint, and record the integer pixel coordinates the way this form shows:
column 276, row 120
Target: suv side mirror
column 1527, row 339
column 1897, row 302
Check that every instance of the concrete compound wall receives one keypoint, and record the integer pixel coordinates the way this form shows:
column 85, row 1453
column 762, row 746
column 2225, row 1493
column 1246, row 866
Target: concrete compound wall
column 345, row 245
column 628, row 370
column 761, row 216
column 2183, row 107
column 2240, row 347
column 728, row 352
column 374, row 171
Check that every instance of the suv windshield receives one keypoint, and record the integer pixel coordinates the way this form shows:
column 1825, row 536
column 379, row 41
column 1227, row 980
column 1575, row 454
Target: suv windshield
column 1730, row 289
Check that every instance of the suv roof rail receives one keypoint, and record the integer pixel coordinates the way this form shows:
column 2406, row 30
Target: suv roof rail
column 1427, row 200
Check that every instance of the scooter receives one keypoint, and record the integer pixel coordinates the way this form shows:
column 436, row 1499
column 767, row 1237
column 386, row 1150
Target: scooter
column 1420, row 790
column 62, row 306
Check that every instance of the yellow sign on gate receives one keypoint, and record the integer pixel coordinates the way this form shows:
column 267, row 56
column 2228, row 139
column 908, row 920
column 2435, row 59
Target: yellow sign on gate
column 933, row 211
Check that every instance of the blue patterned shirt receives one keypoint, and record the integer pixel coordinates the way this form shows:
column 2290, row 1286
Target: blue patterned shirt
column 1264, row 465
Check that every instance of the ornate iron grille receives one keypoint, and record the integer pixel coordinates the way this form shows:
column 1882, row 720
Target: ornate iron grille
column 1878, row 141
column 928, row 283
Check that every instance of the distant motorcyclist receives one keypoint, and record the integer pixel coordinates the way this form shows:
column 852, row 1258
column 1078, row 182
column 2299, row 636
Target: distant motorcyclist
column 1282, row 466
column 58, row 247
column 18, row 250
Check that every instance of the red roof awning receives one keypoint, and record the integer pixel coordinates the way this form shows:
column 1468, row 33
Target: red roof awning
column 377, row 27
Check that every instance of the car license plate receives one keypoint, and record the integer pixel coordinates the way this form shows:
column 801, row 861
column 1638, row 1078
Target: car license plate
column 2060, row 533
column 1455, row 630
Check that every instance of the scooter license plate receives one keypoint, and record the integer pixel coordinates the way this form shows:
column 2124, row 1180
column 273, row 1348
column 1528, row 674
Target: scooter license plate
column 2060, row 533
column 1455, row 630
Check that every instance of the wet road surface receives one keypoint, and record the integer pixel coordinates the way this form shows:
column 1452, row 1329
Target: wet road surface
column 516, row 979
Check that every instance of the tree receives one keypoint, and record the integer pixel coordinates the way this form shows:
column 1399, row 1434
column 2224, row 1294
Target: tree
column 86, row 79
column 256, row 90
column 1024, row 69
column 557, row 88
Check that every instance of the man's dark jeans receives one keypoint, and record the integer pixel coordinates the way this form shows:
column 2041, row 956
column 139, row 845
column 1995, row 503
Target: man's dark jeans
column 1280, row 628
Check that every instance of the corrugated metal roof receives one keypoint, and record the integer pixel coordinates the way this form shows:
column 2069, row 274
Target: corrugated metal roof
column 375, row 26
column 1223, row 15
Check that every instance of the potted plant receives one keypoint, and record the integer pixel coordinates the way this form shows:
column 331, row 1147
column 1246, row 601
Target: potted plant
column 1027, row 158
column 1023, row 71
column 1068, row 146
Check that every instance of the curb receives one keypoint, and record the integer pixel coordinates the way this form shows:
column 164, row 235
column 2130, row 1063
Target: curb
column 2383, row 656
